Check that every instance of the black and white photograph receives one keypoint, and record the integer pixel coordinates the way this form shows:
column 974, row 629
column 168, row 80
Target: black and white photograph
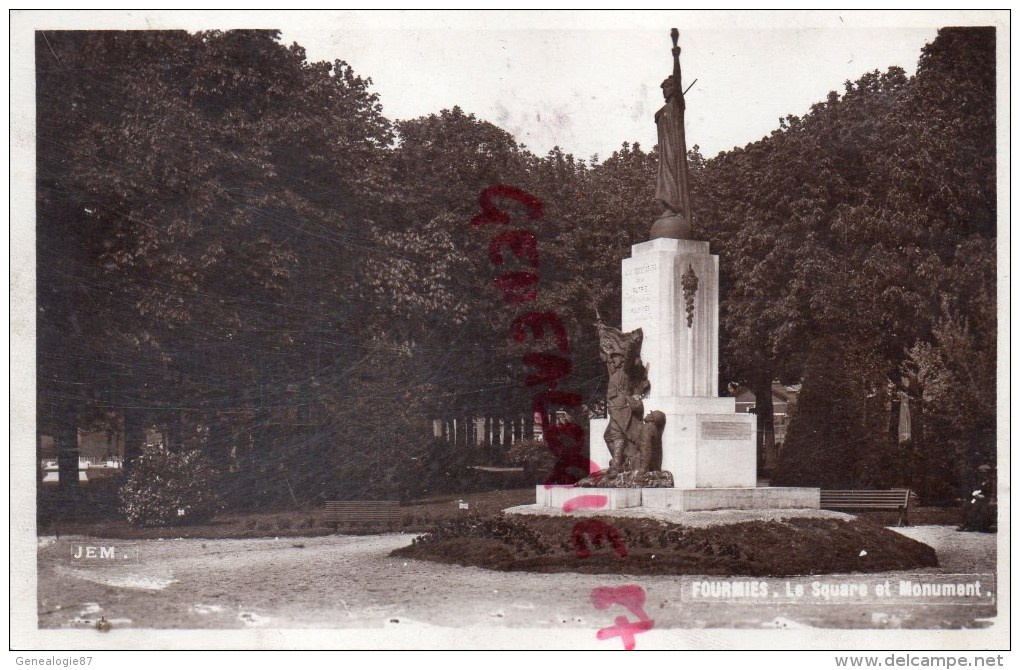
column 511, row 330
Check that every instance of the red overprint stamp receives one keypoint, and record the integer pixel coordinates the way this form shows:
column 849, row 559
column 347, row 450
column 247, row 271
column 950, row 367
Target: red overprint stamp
column 565, row 438
column 630, row 596
column 598, row 532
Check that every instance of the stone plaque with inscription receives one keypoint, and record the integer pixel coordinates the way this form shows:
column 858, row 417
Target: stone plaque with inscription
column 725, row 430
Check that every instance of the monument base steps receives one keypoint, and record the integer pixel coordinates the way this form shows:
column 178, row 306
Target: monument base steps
column 681, row 500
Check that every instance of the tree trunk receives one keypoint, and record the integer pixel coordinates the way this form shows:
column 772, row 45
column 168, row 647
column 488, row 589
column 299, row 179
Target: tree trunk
column 178, row 430
column 918, row 464
column 766, row 426
column 66, row 438
column 219, row 442
column 895, row 403
column 134, row 434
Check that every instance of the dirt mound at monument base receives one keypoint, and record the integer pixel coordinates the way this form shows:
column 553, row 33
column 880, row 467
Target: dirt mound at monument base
column 795, row 546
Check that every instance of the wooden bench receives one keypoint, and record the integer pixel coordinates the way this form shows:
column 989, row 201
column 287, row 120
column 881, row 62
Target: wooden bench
column 347, row 512
column 892, row 499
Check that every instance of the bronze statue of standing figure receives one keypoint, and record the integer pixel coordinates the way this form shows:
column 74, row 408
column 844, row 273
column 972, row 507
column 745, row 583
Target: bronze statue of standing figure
column 672, row 187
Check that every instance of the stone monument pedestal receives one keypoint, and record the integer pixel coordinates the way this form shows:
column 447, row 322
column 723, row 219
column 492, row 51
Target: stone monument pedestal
column 671, row 292
column 570, row 498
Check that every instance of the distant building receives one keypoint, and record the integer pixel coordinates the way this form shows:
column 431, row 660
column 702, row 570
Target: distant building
column 487, row 432
column 94, row 446
column 97, row 451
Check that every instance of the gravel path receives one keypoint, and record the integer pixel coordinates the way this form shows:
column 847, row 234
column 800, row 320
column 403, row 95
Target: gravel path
column 957, row 552
column 352, row 582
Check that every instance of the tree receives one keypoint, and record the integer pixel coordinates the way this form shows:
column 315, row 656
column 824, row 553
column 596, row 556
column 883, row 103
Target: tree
column 954, row 387
column 844, row 223
column 199, row 193
column 840, row 421
column 231, row 237
column 435, row 284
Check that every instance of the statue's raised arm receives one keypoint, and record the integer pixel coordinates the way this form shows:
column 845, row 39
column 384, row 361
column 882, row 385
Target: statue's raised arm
column 672, row 188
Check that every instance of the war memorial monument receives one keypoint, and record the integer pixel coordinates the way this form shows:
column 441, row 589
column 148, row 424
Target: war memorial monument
column 669, row 440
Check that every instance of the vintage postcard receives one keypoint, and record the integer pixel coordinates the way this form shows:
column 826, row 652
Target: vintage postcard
column 511, row 330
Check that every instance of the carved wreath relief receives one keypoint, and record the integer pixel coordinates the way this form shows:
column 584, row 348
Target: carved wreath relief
column 689, row 283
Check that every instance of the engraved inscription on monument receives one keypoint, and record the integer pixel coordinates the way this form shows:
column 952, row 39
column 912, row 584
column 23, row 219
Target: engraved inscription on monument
column 725, row 430
column 638, row 299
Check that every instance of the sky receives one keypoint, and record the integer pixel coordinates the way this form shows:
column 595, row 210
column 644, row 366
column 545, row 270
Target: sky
column 581, row 80
column 591, row 84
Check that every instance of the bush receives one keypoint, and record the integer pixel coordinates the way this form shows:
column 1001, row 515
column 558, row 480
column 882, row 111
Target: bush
column 535, row 457
column 439, row 467
column 170, row 488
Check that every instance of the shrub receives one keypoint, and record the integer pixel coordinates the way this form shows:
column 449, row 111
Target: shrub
column 534, row 456
column 169, row 488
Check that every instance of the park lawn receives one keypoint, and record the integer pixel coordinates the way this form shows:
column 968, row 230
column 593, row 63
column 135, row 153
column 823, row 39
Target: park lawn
column 416, row 516
column 918, row 516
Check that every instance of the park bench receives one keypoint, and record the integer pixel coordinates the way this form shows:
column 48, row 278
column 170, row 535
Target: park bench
column 892, row 499
column 348, row 512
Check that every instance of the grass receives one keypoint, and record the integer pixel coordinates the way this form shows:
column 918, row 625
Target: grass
column 416, row 516
column 918, row 516
column 646, row 546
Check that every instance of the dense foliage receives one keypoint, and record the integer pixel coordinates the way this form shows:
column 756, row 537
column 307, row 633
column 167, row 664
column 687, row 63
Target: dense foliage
column 535, row 457
column 167, row 488
column 872, row 229
column 236, row 247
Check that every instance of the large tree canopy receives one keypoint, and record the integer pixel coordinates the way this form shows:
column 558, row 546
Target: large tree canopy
column 237, row 245
column 201, row 199
column 859, row 222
